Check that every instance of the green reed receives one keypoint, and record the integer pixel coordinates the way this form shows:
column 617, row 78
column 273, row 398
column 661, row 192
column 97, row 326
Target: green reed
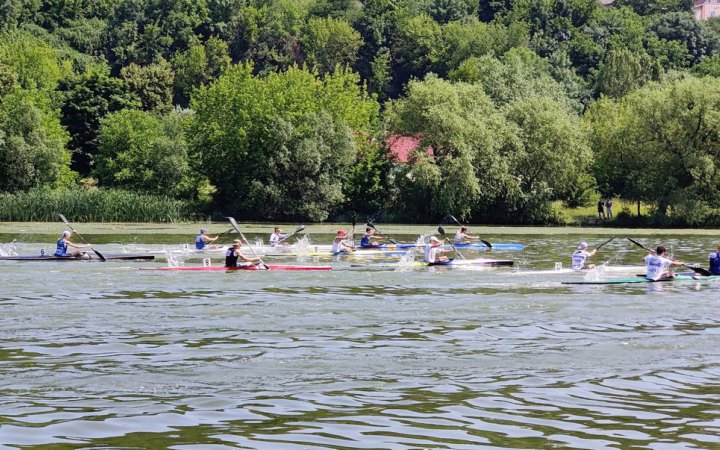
column 92, row 205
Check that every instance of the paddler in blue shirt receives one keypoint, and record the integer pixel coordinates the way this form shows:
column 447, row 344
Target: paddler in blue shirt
column 367, row 240
column 714, row 259
column 64, row 242
column 233, row 254
column 202, row 240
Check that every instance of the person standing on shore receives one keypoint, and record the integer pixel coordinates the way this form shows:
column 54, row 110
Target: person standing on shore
column 608, row 208
column 600, row 209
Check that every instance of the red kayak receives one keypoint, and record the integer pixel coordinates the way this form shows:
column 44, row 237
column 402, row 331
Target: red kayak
column 248, row 267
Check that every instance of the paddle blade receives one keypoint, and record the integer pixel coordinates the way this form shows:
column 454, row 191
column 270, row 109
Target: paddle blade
column 441, row 231
column 234, row 224
column 454, row 219
column 699, row 270
column 486, row 243
column 638, row 244
column 64, row 219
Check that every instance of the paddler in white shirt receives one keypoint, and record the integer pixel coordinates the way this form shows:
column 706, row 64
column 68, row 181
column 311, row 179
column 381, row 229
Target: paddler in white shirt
column 341, row 244
column 434, row 253
column 581, row 255
column 461, row 236
column 277, row 236
column 657, row 265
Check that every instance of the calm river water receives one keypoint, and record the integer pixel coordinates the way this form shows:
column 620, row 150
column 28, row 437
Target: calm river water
column 104, row 355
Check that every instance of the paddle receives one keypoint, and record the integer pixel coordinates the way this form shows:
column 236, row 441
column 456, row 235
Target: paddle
column 371, row 225
column 297, row 230
column 442, row 232
column 486, row 243
column 237, row 228
column 606, row 242
column 700, row 270
column 99, row 255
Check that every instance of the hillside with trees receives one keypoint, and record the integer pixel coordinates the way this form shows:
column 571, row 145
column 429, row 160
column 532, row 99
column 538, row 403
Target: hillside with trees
column 286, row 110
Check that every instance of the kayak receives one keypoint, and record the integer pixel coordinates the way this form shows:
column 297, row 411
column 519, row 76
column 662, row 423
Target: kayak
column 84, row 257
column 472, row 245
column 359, row 253
column 248, row 267
column 635, row 280
column 487, row 262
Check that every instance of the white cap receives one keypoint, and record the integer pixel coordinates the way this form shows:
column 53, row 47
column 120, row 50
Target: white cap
column 583, row 245
column 434, row 239
column 67, row 234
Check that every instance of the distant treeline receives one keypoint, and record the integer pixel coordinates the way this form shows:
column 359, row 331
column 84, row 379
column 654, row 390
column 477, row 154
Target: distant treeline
column 290, row 110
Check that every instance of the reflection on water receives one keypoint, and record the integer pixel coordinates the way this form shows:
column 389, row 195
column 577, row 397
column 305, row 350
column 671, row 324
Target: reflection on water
column 104, row 355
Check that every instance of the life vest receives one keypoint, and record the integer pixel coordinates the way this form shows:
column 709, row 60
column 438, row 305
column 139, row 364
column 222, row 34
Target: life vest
column 231, row 258
column 61, row 249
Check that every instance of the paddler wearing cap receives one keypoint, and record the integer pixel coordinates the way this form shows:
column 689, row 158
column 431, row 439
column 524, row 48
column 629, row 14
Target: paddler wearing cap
column 341, row 244
column 64, row 242
column 202, row 239
column 580, row 255
column 233, row 254
column 434, row 252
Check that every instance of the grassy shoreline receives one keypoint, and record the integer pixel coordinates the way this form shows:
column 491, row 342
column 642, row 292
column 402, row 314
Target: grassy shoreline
column 191, row 228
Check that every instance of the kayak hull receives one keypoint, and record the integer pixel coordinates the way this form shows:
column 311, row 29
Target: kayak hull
column 636, row 280
column 477, row 262
column 85, row 257
column 249, row 267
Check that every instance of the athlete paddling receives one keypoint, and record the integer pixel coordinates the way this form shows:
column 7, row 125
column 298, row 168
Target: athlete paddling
column 581, row 255
column 714, row 259
column 234, row 254
column 461, row 236
column 369, row 237
column 64, row 242
column 341, row 244
column 658, row 265
column 202, row 240
column 277, row 236
column 434, row 253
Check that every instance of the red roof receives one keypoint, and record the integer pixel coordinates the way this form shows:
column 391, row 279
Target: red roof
column 401, row 147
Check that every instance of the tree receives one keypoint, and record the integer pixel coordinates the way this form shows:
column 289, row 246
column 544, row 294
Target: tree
column 35, row 62
column 142, row 151
column 623, row 71
column 330, row 42
column 152, row 84
column 87, row 98
column 685, row 29
column 660, row 144
column 32, row 143
column 198, row 65
column 250, row 131
column 415, row 48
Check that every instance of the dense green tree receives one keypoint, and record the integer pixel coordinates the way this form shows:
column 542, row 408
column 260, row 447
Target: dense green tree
column 685, row 29
column 198, row 65
column 145, row 152
column 268, row 33
column 623, row 71
column 646, row 8
column 250, row 131
column 36, row 63
column 330, row 42
column 141, row 31
column 152, row 84
column 660, row 144
column 415, row 48
column 32, row 143
column 518, row 73
column 87, row 98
